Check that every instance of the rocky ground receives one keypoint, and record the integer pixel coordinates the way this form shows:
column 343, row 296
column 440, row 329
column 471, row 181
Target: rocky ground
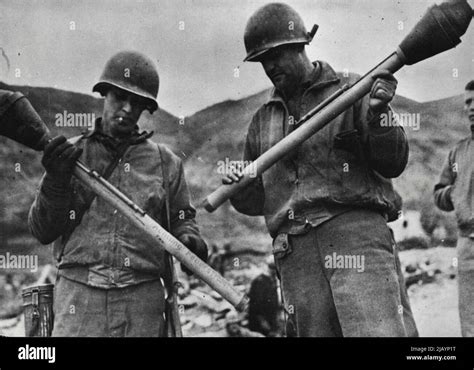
column 430, row 275
column 434, row 300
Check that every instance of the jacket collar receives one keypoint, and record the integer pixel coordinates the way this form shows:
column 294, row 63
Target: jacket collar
column 322, row 76
column 133, row 139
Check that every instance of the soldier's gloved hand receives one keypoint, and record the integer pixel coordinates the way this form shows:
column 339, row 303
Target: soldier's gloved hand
column 232, row 177
column 383, row 90
column 59, row 158
column 196, row 245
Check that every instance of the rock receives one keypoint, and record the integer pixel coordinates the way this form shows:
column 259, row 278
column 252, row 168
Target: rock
column 235, row 330
column 210, row 303
column 216, row 295
column 185, row 287
column 264, row 307
column 188, row 302
column 217, row 259
column 47, row 276
column 188, row 325
column 411, row 268
column 204, row 321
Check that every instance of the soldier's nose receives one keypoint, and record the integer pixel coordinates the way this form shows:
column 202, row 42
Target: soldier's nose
column 127, row 106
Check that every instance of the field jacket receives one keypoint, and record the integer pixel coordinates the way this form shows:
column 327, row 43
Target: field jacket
column 347, row 164
column 99, row 246
column 455, row 188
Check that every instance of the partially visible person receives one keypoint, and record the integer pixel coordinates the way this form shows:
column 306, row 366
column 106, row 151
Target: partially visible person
column 331, row 196
column 455, row 192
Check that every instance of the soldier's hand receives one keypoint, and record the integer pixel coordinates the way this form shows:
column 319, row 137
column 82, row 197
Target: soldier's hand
column 383, row 90
column 59, row 159
column 196, row 245
column 232, row 177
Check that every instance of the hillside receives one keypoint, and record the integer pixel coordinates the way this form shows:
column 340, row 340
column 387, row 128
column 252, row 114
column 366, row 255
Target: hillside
column 226, row 123
column 203, row 139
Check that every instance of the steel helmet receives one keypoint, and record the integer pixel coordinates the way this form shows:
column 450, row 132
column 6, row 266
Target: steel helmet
column 273, row 25
column 132, row 72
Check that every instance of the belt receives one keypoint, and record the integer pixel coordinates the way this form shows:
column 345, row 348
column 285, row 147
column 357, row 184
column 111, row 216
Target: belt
column 106, row 277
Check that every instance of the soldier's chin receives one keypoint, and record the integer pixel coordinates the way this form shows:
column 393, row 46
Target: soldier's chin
column 279, row 83
column 121, row 130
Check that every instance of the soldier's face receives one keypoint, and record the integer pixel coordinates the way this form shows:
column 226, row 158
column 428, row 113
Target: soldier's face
column 469, row 104
column 122, row 111
column 283, row 67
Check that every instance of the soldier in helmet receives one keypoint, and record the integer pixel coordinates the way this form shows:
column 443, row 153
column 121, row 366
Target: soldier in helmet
column 109, row 273
column 326, row 204
column 455, row 192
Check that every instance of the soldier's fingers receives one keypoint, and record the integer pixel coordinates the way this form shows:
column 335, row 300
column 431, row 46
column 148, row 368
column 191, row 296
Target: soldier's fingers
column 385, row 74
column 186, row 240
column 375, row 104
column 381, row 89
column 76, row 154
column 53, row 144
column 390, row 85
column 65, row 155
column 234, row 177
column 60, row 149
column 73, row 156
column 382, row 94
column 227, row 181
column 72, row 153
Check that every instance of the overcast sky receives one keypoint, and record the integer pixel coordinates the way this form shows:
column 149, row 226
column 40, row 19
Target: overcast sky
column 65, row 44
